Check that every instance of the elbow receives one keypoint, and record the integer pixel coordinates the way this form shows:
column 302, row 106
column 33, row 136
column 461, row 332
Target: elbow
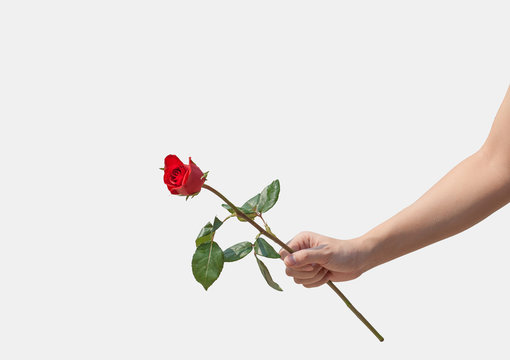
column 497, row 158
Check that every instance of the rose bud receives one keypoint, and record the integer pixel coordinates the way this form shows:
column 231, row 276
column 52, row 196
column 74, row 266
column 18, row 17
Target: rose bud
column 182, row 179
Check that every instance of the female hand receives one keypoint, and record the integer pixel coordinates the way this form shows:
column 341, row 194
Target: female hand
column 318, row 259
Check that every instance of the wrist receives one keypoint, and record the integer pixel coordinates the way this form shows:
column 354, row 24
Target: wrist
column 366, row 253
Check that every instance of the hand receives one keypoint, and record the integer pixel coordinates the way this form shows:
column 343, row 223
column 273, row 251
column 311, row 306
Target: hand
column 318, row 259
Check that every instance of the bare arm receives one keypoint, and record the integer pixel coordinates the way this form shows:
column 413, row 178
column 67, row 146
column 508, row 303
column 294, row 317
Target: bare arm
column 467, row 194
column 471, row 191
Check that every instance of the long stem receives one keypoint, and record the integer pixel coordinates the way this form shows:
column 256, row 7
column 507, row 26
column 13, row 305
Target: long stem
column 286, row 247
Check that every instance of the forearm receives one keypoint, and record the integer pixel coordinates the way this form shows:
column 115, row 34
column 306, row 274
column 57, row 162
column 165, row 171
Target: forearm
column 470, row 192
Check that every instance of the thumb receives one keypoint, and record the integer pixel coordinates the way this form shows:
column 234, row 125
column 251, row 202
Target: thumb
column 303, row 257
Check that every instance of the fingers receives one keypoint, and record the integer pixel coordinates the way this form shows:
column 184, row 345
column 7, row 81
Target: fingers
column 304, row 264
column 304, row 257
column 283, row 254
column 308, row 267
column 303, row 240
column 307, row 250
column 318, row 279
column 324, row 280
column 304, row 272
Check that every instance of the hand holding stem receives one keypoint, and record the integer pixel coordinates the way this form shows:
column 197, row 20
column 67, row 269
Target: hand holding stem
column 273, row 237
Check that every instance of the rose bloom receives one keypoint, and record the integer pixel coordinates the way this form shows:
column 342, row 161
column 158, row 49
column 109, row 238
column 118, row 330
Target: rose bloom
column 182, row 179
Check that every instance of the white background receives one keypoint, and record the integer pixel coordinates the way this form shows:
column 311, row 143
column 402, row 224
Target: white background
column 357, row 107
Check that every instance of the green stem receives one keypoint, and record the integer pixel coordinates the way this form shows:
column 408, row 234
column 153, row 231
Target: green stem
column 260, row 216
column 286, row 247
column 228, row 217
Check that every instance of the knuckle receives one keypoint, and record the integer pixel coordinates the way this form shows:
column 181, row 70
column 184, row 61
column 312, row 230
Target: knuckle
column 327, row 252
column 304, row 234
column 317, row 270
column 307, row 276
column 305, row 256
column 288, row 271
column 312, row 274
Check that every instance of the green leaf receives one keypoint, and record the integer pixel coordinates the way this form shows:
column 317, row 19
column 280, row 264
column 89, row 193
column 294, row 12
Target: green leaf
column 269, row 196
column 217, row 223
column 228, row 208
column 207, row 263
column 263, row 248
column 251, row 205
column 267, row 275
column 207, row 232
column 251, row 216
column 237, row 251
column 249, row 208
column 204, row 235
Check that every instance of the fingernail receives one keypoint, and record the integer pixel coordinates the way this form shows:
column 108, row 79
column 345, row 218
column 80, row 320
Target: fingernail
column 289, row 260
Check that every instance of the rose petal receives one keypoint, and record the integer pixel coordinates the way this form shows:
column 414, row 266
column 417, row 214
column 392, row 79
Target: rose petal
column 172, row 161
column 172, row 190
column 194, row 181
column 186, row 176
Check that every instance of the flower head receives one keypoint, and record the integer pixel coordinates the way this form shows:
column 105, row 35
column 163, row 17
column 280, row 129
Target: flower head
column 182, row 179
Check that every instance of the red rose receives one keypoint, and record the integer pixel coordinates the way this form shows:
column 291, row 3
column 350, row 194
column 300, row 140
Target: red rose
column 182, row 179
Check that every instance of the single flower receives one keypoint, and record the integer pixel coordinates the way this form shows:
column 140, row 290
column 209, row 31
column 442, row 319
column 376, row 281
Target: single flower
column 182, row 179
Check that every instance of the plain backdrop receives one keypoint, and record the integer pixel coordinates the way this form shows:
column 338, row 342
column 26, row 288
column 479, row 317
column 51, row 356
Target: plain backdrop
column 356, row 107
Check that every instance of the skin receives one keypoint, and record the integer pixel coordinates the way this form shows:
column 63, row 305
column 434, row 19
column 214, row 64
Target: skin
column 467, row 194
